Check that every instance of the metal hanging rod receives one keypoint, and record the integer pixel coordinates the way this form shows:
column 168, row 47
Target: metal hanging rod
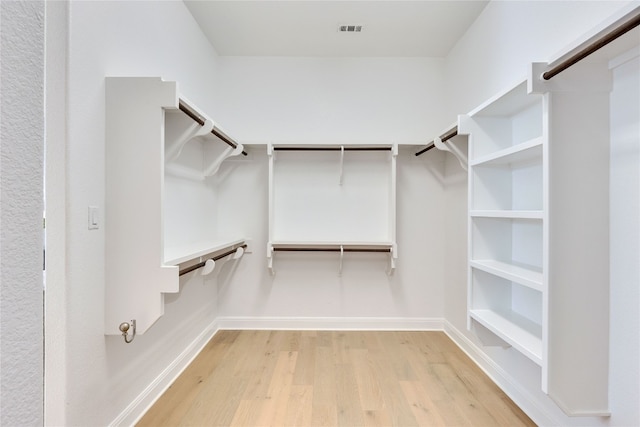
column 443, row 138
column 601, row 42
column 331, row 148
column 215, row 258
column 215, row 131
column 387, row 250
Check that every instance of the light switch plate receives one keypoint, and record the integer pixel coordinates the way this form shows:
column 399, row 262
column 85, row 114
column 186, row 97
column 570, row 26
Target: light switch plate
column 93, row 220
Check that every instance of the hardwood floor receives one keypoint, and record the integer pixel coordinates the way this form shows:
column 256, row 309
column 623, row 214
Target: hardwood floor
column 324, row 378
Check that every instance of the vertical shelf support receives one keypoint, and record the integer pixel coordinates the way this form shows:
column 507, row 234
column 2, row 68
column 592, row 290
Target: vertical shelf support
column 341, row 163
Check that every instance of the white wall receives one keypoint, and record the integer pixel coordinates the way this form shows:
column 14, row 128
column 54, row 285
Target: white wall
column 334, row 101
column 499, row 48
column 21, row 206
column 100, row 376
column 507, row 36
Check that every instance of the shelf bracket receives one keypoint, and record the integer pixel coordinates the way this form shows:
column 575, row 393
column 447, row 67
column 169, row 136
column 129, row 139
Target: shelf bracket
column 462, row 157
column 272, row 271
column 341, row 259
column 229, row 152
column 174, row 148
column 393, row 255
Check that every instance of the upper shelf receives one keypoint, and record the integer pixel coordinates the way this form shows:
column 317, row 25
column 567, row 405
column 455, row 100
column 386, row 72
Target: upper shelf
column 506, row 103
column 186, row 124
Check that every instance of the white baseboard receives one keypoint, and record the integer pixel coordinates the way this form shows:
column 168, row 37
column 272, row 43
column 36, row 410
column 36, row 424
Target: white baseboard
column 333, row 323
column 506, row 382
column 139, row 406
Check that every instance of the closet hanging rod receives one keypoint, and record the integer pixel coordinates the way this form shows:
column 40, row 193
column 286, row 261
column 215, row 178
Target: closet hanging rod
column 215, row 131
column 215, row 258
column 329, row 250
column 599, row 43
column 331, row 148
column 445, row 137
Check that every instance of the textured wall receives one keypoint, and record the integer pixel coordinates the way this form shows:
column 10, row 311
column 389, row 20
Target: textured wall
column 21, row 165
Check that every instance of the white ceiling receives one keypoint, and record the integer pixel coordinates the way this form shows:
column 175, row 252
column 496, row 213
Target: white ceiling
column 310, row 28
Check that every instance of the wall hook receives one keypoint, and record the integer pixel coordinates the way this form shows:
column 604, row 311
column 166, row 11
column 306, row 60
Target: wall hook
column 124, row 328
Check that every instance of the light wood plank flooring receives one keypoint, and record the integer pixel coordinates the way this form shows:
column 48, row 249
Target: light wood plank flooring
column 323, row 378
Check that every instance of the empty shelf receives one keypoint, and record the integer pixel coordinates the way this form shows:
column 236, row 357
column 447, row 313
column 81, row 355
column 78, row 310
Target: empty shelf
column 513, row 214
column 524, row 275
column 522, row 152
column 520, row 332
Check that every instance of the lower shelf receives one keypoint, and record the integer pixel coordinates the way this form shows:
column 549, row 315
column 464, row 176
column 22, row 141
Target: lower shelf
column 518, row 331
column 177, row 255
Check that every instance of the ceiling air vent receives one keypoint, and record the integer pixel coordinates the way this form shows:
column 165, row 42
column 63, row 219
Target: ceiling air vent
column 350, row 28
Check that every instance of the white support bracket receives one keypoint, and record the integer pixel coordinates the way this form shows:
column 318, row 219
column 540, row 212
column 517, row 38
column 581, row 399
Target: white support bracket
column 229, row 152
column 393, row 255
column 174, row 148
column 341, row 259
column 272, row 271
column 462, row 157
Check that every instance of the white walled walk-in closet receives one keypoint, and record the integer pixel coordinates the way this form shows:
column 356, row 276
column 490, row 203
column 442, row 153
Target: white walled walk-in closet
column 285, row 192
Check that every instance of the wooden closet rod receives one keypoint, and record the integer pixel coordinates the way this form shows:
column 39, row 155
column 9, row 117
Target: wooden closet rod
column 215, row 131
column 215, row 258
column 329, row 250
column 443, row 138
column 331, row 148
column 601, row 42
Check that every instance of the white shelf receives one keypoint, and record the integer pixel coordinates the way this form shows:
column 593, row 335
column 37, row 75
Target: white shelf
column 177, row 255
column 506, row 103
column 521, row 333
column 508, row 214
column 319, row 244
column 525, row 151
column 525, row 275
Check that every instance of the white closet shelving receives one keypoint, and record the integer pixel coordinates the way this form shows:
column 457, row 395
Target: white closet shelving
column 332, row 198
column 507, row 283
column 538, row 245
column 538, row 277
column 146, row 134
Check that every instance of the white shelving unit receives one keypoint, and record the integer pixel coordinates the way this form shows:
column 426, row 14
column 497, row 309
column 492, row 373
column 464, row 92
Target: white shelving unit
column 143, row 123
column 332, row 198
column 537, row 206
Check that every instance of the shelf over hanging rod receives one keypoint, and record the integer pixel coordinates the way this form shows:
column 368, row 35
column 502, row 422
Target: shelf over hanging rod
column 300, row 249
column 215, row 258
column 443, row 138
column 298, row 148
column 215, row 131
column 622, row 28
